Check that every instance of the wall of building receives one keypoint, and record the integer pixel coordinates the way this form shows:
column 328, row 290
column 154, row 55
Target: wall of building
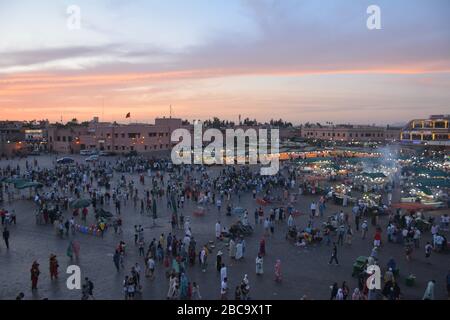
column 432, row 131
column 349, row 133
column 65, row 139
column 117, row 138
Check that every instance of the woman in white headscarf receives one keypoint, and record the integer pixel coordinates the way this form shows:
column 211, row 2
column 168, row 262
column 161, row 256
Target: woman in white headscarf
column 259, row 265
column 239, row 251
column 232, row 248
column 245, row 287
column 340, row 294
column 429, row 292
column 357, row 295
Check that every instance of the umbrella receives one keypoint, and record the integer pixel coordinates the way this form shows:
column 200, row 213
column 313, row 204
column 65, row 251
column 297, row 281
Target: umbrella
column 15, row 180
column 80, row 203
column 27, row 184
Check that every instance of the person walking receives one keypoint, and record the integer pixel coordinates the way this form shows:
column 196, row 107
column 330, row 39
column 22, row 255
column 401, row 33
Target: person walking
column 429, row 292
column 334, row 291
column 245, row 288
column 341, row 233
column 224, row 289
column 223, row 272
column 334, row 255
column 232, row 249
column 259, row 265
column 313, row 208
column 278, row 271
column 34, row 275
column 219, row 260
column 116, row 260
column 364, row 229
column 428, row 249
column 195, row 292
column 90, row 287
column 6, row 237
column 262, row 247
column 203, row 257
column 53, row 265
column 218, row 230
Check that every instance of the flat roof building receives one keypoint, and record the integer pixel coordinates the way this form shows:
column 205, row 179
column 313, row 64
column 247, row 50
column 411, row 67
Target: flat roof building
column 432, row 131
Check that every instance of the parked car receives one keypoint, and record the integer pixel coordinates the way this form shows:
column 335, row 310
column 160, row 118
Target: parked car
column 35, row 153
column 85, row 152
column 92, row 158
column 65, row 160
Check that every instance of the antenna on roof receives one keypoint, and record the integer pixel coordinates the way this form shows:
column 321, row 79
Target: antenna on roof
column 170, row 111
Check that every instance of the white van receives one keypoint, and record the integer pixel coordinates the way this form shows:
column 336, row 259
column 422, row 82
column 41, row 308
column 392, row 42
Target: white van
column 86, row 152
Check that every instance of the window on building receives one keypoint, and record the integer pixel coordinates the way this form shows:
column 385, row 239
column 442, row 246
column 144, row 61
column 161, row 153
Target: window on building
column 439, row 124
column 64, row 138
column 123, row 147
column 116, row 135
column 134, row 135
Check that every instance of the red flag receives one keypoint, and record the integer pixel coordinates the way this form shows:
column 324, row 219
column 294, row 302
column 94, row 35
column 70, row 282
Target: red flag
column 128, row 115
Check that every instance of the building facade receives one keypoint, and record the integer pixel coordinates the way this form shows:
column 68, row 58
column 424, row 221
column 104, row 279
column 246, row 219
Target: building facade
column 65, row 139
column 350, row 133
column 115, row 138
column 12, row 138
column 432, row 131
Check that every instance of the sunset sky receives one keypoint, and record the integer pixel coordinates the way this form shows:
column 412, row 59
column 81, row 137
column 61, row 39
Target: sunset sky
column 301, row 60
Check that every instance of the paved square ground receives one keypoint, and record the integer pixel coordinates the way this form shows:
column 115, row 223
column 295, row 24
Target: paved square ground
column 305, row 270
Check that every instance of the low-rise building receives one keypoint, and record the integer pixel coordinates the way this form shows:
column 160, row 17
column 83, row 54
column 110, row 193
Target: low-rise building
column 113, row 137
column 12, row 138
column 344, row 132
column 432, row 131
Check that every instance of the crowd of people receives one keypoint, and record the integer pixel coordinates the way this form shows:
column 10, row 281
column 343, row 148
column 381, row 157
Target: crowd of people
column 79, row 196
